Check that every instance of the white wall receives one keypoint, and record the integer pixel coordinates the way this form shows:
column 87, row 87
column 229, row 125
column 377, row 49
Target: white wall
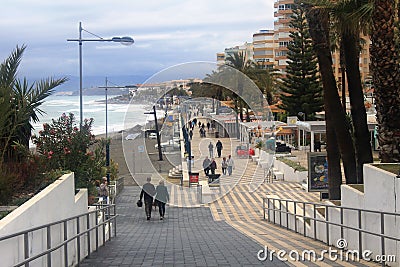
column 56, row 202
column 381, row 193
column 288, row 172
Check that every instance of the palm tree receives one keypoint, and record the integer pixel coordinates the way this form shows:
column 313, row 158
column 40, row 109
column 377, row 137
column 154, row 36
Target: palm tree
column 267, row 80
column 238, row 61
column 336, row 123
column 19, row 104
column 386, row 78
column 29, row 98
column 348, row 27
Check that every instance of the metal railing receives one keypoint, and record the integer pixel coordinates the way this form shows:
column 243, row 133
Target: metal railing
column 277, row 211
column 104, row 216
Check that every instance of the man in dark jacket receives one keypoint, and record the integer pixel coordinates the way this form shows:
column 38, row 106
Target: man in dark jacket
column 219, row 147
column 213, row 166
column 148, row 191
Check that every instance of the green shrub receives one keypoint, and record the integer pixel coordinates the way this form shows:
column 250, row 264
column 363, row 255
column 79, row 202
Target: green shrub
column 64, row 146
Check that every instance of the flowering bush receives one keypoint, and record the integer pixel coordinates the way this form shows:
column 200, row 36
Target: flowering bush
column 66, row 147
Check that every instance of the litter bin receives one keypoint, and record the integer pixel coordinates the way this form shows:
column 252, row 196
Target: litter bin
column 216, row 134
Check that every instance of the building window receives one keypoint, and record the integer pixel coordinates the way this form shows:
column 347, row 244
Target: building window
column 285, row 7
column 281, row 53
column 283, row 44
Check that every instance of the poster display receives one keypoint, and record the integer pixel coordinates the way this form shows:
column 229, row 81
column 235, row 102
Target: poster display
column 317, row 172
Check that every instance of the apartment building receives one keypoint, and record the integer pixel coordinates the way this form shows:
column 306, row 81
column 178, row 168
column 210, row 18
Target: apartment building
column 269, row 47
column 283, row 12
column 264, row 47
column 246, row 48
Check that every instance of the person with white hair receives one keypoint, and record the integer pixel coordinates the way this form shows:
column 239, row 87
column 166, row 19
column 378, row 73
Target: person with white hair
column 162, row 197
column 148, row 192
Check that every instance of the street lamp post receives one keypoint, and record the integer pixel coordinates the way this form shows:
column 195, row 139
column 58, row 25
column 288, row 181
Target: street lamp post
column 107, row 141
column 122, row 40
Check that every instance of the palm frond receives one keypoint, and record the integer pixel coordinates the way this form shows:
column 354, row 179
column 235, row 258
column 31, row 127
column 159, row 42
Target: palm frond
column 9, row 68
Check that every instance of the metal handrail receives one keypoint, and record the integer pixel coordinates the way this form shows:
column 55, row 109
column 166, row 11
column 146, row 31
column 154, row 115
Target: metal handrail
column 101, row 209
column 313, row 219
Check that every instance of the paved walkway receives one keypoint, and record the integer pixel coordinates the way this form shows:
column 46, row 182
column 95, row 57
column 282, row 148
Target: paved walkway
column 186, row 237
column 228, row 231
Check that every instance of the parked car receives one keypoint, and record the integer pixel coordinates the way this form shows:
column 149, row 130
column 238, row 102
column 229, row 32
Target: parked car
column 282, row 148
column 244, row 152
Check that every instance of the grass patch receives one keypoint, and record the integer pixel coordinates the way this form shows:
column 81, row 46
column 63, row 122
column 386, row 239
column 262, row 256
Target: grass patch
column 293, row 164
column 393, row 168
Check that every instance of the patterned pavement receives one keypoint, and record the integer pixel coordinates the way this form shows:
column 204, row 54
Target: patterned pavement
column 227, row 231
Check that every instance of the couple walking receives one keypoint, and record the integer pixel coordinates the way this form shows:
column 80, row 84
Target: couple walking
column 227, row 164
column 161, row 196
column 218, row 146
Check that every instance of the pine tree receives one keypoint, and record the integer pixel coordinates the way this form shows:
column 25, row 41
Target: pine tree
column 301, row 88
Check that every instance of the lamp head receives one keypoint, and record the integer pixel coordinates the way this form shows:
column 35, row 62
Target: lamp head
column 123, row 40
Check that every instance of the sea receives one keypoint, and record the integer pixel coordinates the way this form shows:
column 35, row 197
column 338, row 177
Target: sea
column 93, row 107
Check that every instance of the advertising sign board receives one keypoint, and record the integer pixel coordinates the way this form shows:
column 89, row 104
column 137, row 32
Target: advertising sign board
column 317, row 172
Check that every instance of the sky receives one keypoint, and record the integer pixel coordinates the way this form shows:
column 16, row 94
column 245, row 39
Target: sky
column 166, row 33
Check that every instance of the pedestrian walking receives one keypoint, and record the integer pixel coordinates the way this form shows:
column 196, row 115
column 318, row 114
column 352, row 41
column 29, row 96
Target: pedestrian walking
column 206, row 165
column 191, row 134
column 211, row 149
column 103, row 190
column 219, row 147
column 162, row 197
column 201, row 131
column 208, row 126
column 199, row 124
column 231, row 164
column 213, row 166
column 224, row 165
column 317, row 146
column 148, row 192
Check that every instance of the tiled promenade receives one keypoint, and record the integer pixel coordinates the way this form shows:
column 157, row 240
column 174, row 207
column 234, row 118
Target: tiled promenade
column 186, row 237
column 228, row 231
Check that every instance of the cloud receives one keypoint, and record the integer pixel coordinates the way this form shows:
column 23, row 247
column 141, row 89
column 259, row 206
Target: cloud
column 165, row 32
